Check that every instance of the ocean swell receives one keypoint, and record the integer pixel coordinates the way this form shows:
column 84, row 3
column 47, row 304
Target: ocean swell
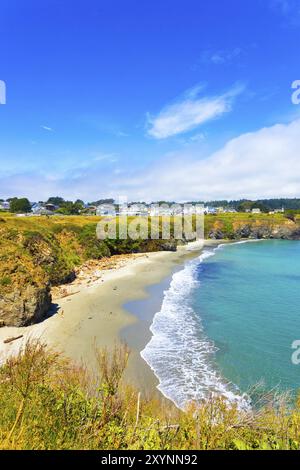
column 179, row 353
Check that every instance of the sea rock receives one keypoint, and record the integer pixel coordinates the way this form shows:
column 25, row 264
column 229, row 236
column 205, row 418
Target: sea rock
column 170, row 245
column 24, row 306
column 216, row 234
column 287, row 232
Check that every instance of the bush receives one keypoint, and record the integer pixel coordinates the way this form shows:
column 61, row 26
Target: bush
column 20, row 205
column 5, row 281
column 93, row 248
column 47, row 402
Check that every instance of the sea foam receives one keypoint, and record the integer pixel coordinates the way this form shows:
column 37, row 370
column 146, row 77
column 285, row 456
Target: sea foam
column 179, row 353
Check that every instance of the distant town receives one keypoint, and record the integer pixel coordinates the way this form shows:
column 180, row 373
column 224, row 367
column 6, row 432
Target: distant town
column 109, row 207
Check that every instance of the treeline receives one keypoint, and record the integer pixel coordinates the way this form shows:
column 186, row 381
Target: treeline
column 264, row 204
column 66, row 207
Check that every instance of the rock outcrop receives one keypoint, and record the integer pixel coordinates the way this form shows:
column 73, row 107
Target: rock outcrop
column 34, row 256
column 288, row 230
column 24, row 306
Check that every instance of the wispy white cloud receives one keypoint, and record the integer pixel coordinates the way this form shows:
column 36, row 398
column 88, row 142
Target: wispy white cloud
column 189, row 112
column 221, row 57
column 102, row 157
column 122, row 134
column 2, row 92
column 46, row 128
column 259, row 164
column 264, row 163
column 197, row 137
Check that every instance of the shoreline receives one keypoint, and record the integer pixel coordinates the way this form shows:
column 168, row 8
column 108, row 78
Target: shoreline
column 91, row 312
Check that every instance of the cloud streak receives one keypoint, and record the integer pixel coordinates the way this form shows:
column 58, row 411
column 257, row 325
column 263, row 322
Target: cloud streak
column 221, row 57
column 265, row 163
column 190, row 112
column 261, row 164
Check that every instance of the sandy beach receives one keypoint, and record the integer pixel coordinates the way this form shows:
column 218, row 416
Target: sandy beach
column 89, row 313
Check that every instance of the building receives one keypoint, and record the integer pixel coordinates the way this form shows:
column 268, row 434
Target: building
column 231, row 210
column 4, row 206
column 193, row 209
column 163, row 210
column 51, row 207
column 210, row 210
column 133, row 210
column 106, row 210
column 40, row 209
column 256, row 211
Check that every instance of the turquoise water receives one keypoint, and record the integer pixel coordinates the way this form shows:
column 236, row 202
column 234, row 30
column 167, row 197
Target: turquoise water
column 248, row 301
column 227, row 322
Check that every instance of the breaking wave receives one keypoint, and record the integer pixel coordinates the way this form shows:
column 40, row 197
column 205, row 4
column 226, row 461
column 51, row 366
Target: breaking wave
column 179, row 353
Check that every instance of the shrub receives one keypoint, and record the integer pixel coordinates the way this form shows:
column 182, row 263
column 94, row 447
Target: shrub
column 47, row 402
column 5, row 281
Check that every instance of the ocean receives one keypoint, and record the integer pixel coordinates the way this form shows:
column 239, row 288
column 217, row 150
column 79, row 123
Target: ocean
column 227, row 322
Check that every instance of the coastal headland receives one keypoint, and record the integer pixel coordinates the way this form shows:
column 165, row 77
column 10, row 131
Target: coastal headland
column 79, row 285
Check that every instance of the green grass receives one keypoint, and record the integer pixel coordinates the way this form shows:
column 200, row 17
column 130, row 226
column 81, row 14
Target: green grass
column 47, row 402
column 40, row 250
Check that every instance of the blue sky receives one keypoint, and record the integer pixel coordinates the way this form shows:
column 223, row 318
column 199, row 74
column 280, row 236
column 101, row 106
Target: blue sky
column 149, row 99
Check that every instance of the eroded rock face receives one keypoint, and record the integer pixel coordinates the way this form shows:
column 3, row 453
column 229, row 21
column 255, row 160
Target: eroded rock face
column 216, row 234
column 170, row 245
column 287, row 231
column 24, row 306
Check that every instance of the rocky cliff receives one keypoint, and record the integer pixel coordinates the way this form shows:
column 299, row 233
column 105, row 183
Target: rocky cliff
column 37, row 254
column 24, row 306
column 256, row 229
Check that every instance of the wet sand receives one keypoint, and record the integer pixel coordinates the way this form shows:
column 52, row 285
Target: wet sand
column 104, row 312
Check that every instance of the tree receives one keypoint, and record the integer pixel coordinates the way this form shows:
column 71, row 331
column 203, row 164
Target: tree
column 102, row 201
column 260, row 205
column 245, row 205
column 20, row 205
column 70, row 208
column 79, row 202
column 249, row 205
column 56, row 201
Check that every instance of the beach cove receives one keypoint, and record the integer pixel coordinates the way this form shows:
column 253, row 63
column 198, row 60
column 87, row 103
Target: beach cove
column 89, row 313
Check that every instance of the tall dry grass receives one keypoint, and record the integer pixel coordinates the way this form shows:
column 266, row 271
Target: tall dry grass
column 46, row 402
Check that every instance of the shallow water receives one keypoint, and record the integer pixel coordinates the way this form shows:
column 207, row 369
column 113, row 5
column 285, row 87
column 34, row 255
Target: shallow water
column 228, row 321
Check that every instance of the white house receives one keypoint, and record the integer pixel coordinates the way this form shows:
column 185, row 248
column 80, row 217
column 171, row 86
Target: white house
column 231, row 210
column 134, row 210
column 193, row 209
column 256, row 211
column 156, row 210
column 40, row 209
column 4, row 205
column 210, row 210
column 106, row 210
